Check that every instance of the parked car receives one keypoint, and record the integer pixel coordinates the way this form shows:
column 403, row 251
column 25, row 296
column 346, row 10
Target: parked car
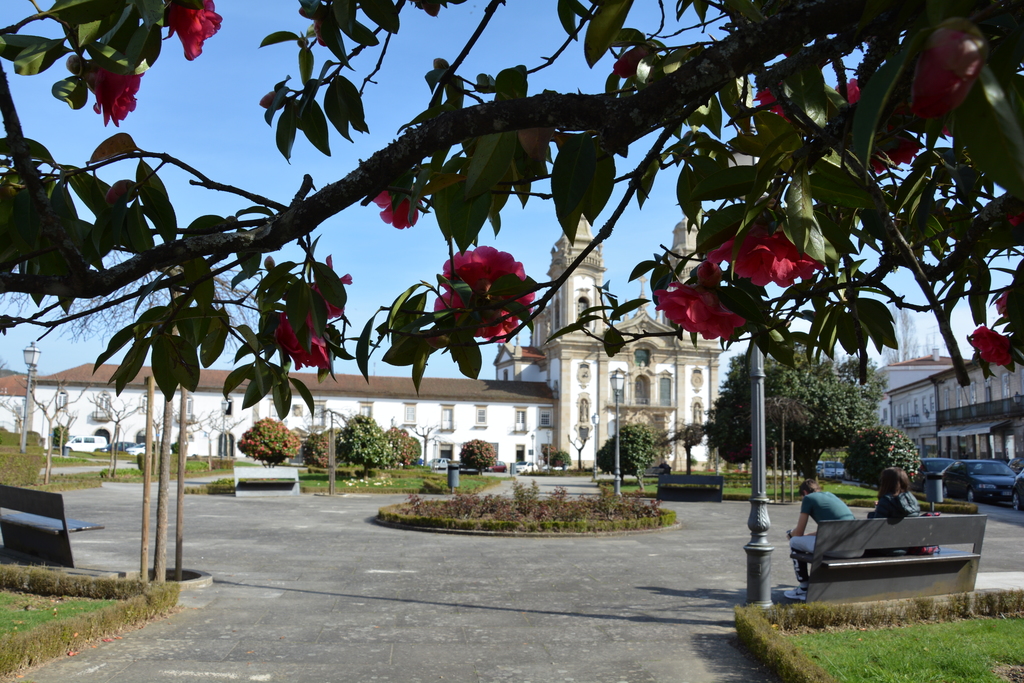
column 926, row 465
column 523, row 467
column 1018, row 492
column 832, row 469
column 1017, row 465
column 128, row 447
column 499, row 467
column 976, row 480
column 439, row 464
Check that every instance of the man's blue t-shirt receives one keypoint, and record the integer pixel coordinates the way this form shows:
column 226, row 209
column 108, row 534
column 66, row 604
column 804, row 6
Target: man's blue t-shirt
column 823, row 506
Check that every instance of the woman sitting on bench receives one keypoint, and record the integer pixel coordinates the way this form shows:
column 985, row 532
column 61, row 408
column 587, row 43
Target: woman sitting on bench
column 894, row 496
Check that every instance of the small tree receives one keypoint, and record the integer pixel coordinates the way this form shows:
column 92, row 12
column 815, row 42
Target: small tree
column 406, row 448
column 689, row 435
column 636, row 451
column 875, row 448
column 362, row 442
column 314, row 449
column 559, row 458
column 478, row 455
column 269, row 441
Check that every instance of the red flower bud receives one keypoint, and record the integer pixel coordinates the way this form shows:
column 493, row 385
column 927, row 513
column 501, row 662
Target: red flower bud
column 267, row 100
column 709, row 274
column 626, row 65
column 946, row 69
column 117, row 190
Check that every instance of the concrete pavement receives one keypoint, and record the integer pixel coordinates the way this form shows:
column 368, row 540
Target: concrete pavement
column 309, row 589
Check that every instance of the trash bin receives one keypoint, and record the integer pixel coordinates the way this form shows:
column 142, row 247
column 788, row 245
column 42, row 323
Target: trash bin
column 453, row 475
column 933, row 487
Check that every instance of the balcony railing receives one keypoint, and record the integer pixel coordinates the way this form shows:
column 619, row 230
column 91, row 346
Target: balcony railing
column 100, row 415
column 908, row 421
column 1005, row 407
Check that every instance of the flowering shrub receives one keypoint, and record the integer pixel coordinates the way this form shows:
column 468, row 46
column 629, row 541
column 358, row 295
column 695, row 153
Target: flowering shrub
column 406, row 448
column 315, row 449
column 478, row 455
column 637, row 451
column 526, row 508
column 362, row 442
column 269, row 441
column 875, row 448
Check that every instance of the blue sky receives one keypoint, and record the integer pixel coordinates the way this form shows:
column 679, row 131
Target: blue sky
column 206, row 113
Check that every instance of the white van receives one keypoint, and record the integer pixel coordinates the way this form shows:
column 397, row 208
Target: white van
column 85, row 443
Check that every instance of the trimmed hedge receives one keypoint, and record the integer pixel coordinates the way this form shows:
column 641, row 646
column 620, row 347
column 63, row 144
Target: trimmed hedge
column 20, row 469
column 138, row 603
column 764, row 631
column 191, row 464
column 391, row 514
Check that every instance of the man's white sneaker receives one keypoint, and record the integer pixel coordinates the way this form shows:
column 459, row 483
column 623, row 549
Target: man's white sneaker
column 798, row 593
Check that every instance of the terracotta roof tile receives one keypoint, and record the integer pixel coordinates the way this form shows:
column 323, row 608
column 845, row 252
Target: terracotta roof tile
column 435, row 388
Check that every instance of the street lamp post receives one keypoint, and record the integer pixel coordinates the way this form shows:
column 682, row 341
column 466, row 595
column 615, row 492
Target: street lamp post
column 594, row 419
column 31, row 360
column 225, row 406
column 618, row 380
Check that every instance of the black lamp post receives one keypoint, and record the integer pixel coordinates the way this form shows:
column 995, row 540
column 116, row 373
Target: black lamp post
column 618, row 381
column 31, row 360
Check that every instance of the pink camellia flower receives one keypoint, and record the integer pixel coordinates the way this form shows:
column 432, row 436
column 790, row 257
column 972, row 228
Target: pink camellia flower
column 193, row 26
column 765, row 97
column 992, row 346
column 852, row 91
column 899, row 151
column 332, row 310
column 288, row 341
column 695, row 309
column 1001, row 303
column 709, row 274
column 625, row 66
column 117, row 190
column 481, row 268
column 946, row 70
column 765, row 258
column 1015, row 219
column 398, row 217
column 115, row 95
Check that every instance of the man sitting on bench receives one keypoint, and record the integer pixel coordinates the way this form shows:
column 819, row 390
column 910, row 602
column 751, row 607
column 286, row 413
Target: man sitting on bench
column 821, row 506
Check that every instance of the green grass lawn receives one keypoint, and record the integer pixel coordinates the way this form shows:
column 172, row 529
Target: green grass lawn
column 20, row 612
column 962, row 651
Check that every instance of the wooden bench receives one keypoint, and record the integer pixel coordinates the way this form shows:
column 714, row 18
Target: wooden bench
column 266, row 481
column 872, row 577
column 39, row 527
column 691, row 488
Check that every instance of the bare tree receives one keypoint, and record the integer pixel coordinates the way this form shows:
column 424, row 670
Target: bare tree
column 906, row 338
column 425, row 432
column 15, row 405
column 51, row 410
column 115, row 411
column 780, row 409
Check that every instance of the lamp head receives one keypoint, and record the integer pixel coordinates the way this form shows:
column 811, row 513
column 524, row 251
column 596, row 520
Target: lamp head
column 618, row 379
column 32, row 354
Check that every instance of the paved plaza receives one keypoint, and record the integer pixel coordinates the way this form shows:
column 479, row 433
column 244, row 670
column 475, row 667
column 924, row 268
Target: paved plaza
column 309, row 589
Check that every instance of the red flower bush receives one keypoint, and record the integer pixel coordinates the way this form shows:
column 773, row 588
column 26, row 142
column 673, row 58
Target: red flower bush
column 115, row 95
column 193, row 26
column 625, row 66
column 399, row 216
column 695, row 309
column 269, row 441
column 945, row 71
column 480, row 269
column 992, row 346
column 765, row 258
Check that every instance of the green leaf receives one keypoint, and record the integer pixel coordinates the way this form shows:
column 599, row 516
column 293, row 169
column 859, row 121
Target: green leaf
column 280, row 37
column 568, row 13
column 729, row 183
column 801, row 227
column 747, row 9
column 571, row 175
column 613, row 341
column 73, row 91
column 469, row 359
column 737, row 300
column 39, row 58
column 286, row 125
column 511, row 84
column 213, row 344
column 151, row 11
column 872, row 102
column 460, row 219
column 604, row 28
column 82, row 11
column 490, row 161
column 829, row 188
column 363, row 350
column 160, row 211
column 314, row 125
column 344, row 107
column 986, row 124
column 383, row 13
column 807, row 91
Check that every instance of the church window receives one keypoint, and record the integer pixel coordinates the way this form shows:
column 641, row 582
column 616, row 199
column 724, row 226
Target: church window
column 665, row 390
column 642, row 357
column 642, row 391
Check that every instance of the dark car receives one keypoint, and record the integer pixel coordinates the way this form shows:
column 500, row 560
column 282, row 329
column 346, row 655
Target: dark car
column 976, row 480
column 1017, row 464
column 926, row 465
column 1018, row 492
